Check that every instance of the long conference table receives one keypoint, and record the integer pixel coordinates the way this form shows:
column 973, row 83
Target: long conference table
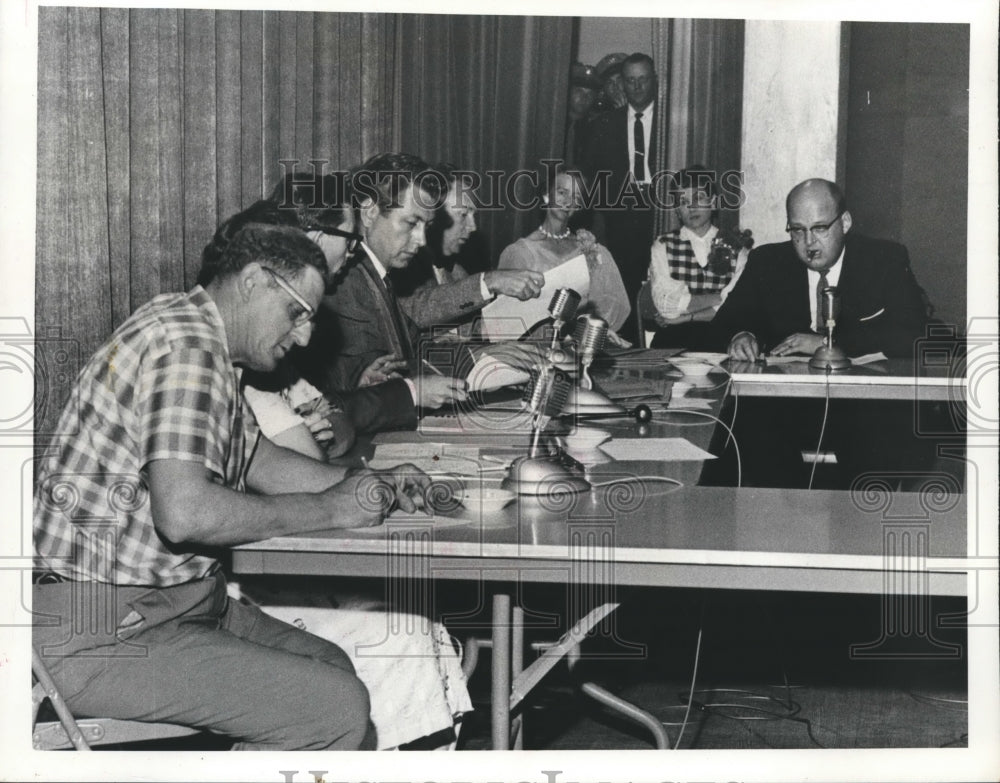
column 646, row 523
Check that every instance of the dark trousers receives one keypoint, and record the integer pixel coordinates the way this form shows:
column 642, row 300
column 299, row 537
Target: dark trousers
column 191, row 656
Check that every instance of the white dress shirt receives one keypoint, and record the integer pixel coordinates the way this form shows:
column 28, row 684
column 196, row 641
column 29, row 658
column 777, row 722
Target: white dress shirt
column 832, row 278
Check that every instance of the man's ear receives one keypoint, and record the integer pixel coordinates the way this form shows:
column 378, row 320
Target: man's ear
column 369, row 211
column 248, row 278
column 845, row 221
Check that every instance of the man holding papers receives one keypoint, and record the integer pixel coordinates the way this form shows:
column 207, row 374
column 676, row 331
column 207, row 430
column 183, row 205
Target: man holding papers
column 394, row 196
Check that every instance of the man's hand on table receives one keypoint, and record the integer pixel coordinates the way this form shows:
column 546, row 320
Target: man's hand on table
column 798, row 343
column 366, row 497
column 743, row 348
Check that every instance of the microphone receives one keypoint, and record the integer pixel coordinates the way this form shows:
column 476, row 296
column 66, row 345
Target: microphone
column 590, row 335
column 539, row 474
column 828, row 356
column 831, row 307
column 546, row 397
column 562, row 308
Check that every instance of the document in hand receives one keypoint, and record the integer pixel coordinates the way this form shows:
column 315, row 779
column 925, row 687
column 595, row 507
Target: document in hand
column 507, row 318
column 504, row 364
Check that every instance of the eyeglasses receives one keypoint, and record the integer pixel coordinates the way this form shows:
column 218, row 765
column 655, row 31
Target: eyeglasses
column 308, row 311
column 353, row 240
column 820, row 230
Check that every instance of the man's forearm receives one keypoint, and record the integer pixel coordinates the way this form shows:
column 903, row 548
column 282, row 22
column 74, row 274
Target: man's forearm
column 275, row 470
column 190, row 509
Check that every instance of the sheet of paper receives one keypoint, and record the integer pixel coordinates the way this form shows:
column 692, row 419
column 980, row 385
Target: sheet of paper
column 503, row 364
column 787, row 359
column 868, row 358
column 655, row 449
column 507, row 318
column 429, row 457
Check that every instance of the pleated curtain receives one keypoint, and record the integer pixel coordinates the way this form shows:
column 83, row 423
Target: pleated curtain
column 155, row 125
column 699, row 105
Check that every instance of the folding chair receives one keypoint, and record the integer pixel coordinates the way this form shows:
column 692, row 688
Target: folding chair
column 68, row 732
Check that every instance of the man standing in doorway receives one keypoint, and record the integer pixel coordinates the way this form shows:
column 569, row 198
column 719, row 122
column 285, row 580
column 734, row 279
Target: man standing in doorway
column 621, row 142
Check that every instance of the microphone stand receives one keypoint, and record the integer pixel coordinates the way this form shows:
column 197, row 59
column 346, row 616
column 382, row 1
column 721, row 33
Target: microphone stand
column 828, row 356
column 541, row 474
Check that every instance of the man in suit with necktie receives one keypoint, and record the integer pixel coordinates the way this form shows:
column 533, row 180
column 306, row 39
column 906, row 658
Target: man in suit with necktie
column 619, row 158
column 775, row 308
column 394, row 196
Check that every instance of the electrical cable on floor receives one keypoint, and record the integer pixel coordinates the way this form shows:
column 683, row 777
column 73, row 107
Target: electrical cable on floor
column 792, row 709
column 939, row 701
column 822, row 430
column 694, row 676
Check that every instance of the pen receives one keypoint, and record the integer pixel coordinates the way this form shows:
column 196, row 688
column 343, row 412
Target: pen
column 435, row 369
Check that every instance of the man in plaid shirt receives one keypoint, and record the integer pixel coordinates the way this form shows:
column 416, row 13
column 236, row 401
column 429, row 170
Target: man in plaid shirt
column 147, row 483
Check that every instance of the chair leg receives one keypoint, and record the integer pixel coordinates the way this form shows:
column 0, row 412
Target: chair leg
column 65, row 716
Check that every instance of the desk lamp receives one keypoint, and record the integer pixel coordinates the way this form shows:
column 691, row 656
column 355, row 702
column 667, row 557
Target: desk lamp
column 828, row 356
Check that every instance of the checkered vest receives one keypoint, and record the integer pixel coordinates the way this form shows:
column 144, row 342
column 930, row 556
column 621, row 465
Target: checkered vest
column 683, row 267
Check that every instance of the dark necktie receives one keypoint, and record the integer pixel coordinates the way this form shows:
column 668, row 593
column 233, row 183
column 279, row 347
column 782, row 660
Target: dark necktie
column 639, row 139
column 402, row 335
column 820, row 325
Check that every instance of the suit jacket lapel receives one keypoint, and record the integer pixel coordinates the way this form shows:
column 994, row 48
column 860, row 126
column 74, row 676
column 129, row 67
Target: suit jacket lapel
column 388, row 312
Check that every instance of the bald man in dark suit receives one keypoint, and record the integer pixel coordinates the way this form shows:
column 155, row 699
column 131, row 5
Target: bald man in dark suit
column 774, row 308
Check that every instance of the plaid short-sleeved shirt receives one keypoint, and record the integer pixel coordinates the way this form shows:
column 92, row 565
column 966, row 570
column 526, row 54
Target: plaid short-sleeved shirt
column 162, row 387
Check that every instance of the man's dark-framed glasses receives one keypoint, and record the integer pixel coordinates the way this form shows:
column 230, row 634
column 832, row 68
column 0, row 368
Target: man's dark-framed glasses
column 308, row 311
column 820, row 230
column 353, row 240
